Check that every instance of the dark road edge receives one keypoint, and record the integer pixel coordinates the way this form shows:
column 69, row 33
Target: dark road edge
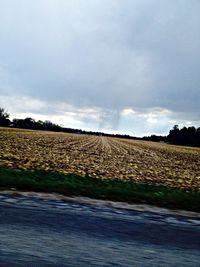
column 107, row 189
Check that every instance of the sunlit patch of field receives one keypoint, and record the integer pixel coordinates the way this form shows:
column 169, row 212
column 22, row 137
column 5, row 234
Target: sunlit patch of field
column 101, row 157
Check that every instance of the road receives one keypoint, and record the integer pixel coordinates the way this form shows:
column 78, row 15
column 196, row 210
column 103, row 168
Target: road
column 45, row 232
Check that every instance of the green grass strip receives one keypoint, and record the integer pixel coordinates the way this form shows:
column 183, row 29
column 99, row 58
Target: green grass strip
column 114, row 189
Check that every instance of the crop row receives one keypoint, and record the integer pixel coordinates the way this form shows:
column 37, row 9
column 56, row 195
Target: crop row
column 101, row 157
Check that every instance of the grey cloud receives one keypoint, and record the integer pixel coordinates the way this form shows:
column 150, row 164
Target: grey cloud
column 107, row 54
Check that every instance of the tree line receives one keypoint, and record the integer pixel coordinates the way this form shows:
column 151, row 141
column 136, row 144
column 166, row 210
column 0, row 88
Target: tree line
column 187, row 136
column 27, row 123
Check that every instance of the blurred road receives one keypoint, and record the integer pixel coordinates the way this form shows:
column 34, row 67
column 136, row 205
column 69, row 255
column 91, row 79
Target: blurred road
column 39, row 232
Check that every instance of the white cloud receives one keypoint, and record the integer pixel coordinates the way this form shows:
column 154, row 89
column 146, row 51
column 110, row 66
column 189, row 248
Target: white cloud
column 172, row 121
column 138, row 122
column 127, row 111
column 21, row 103
column 152, row 120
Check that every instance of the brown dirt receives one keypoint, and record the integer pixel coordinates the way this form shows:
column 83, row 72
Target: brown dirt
column 101, row 157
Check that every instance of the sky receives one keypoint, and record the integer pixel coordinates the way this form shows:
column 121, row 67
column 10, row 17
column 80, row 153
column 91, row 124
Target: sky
column 117, row 66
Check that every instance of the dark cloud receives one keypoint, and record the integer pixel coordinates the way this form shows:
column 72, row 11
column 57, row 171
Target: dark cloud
column 108, row 54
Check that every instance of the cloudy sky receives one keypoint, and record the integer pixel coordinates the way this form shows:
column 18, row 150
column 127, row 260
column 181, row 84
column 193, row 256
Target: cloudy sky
column 121, row 66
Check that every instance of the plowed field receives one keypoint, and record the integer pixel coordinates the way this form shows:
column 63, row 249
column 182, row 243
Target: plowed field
column 101, row 157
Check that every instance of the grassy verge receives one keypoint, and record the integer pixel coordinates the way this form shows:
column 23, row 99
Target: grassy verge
column 72, row 184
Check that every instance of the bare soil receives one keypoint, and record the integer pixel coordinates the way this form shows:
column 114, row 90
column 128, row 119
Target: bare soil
column 101, row 157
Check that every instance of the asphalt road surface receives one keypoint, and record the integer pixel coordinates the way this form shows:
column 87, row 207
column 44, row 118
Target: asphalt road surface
column 42, row 232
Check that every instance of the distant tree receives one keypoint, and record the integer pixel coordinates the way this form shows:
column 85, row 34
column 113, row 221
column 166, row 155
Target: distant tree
column 48, row 125
column 185, row 136
column 197, row 135
column 27, row 123
column 175, row 128
column 30, row 123
column 173, row 135
column 4, row 118
column 155, row 138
